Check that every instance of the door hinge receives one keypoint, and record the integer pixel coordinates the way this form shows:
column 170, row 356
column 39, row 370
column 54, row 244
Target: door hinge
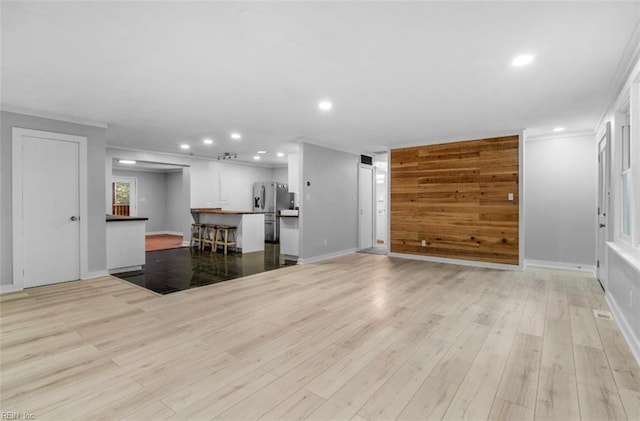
column 597, row 263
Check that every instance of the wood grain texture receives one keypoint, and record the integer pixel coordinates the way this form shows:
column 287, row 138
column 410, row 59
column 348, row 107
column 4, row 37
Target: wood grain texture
column 360, row 337
column 455, row 197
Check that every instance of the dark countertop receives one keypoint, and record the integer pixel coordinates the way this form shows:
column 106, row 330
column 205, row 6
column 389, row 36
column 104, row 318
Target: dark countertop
column 112, row 218
column 218, row 211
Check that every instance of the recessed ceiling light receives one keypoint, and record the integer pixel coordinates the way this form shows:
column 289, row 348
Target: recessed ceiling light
column 184, row 146
column 522, row 60
column 262, row 152
column 558, row 129
column 257, row 158
column 207, row 141
column 236, row 136
column 127, row 161
column 280, row 154
column 325, row 105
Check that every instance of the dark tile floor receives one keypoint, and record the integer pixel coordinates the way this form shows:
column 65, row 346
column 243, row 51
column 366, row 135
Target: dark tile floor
column 168, row 271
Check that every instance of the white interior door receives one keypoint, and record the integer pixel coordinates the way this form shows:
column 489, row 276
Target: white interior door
column 47, row 209
column 365, row 202
column 603, row 209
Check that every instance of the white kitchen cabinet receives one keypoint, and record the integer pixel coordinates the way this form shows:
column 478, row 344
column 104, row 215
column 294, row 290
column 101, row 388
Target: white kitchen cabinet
column 294, row 173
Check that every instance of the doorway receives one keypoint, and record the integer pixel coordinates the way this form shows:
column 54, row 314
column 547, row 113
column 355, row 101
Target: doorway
column 124, row 199
column 365, row 204
column 603, row 206
column 49, row 201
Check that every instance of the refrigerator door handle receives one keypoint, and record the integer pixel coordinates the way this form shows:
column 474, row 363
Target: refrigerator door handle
column 263, row 194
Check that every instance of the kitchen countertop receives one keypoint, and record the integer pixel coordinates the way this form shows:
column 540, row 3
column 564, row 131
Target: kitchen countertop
column 112, row 218
column 218, row 211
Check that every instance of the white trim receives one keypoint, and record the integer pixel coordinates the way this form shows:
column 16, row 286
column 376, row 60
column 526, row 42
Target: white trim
column 186, row 244
column 521, row 194
column 560, row 265
column 6, row 289
column 563, row 135
column 623, row 324
column 626, row 253
column 96, row 274
column 17, row 134
column 125, row 269
column 327, row 256
column 455, row 261
column 176, row 233
column 51, row 116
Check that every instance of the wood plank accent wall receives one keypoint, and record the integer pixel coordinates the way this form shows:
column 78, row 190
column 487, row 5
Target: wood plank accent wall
column 455, row 197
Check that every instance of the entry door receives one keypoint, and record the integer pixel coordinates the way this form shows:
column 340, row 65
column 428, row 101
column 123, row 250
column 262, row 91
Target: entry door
column 47, row 191
column 124, row 197
column 365, row 202
column 603, row 208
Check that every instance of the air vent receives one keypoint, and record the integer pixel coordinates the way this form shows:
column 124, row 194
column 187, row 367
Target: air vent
column 364, row 159
column 601, row 314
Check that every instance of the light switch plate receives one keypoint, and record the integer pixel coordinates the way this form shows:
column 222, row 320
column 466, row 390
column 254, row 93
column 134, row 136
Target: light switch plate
column 510, row 197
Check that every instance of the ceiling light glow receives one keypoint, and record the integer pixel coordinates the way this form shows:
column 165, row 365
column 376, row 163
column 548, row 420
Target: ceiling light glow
column 257, row 158
column 262, row 152
column 236, row 135
column 280, row 154
column 522, row 60
column 207, row 141
column 325, row 105
column 184, row 146
column 127, row 161
column 558, row 129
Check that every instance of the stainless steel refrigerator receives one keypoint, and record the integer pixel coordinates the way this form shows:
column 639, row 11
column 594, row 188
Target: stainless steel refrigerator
column 271, row 197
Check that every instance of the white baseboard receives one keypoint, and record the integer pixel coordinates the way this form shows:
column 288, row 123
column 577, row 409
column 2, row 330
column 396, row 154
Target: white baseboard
column 124, row 269
column 186, row 244
column 5, row 289
column 327, row 256
column 623, row 324
column 164, row 233
column 473, row 263
column 96, row 274
column 561, row 265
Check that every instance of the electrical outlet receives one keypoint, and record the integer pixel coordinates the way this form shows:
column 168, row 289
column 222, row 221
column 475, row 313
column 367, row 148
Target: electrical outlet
column 510, row 197
column 424, row 243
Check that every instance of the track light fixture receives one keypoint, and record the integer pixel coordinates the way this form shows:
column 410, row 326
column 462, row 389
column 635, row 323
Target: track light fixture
column 227, row 155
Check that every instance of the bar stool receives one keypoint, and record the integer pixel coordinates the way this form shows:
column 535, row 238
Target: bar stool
column 208, row 236
column 222, row 237
column 196, row 235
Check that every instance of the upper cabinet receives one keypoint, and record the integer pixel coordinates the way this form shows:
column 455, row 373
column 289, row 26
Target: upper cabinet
column 294, row 173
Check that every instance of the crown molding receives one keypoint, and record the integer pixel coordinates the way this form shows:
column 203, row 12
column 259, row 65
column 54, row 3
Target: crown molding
column 51, row 116
column 459, row 138
column 561, row 135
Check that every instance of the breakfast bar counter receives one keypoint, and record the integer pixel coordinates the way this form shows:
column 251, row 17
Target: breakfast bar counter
column 249, row 225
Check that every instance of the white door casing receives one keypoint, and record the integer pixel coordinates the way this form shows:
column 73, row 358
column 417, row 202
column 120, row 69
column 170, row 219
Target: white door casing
column 603, row 206
column 49, row 202
column 366, row 205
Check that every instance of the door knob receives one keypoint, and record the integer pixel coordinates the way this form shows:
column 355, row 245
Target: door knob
column 602, row 225
column 74, row 218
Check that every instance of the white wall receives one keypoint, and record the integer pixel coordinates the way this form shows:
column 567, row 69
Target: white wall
column 280, row 175
column 560, row 200
column 152, row 197
column 329, row 204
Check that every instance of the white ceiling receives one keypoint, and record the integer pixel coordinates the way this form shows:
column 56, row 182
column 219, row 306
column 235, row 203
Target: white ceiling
column 164, row 73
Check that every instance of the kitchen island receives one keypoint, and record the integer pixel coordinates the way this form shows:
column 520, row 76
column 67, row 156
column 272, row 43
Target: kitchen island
column 125, row 243
column 249, row 225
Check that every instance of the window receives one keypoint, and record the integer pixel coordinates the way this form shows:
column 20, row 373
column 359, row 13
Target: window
column 626, row 177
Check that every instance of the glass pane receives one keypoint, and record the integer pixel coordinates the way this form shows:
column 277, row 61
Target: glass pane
column 626, row 144
column 626, row 203
column 121, row 193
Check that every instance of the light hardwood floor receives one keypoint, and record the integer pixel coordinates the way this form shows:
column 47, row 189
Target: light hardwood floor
column 361, row 337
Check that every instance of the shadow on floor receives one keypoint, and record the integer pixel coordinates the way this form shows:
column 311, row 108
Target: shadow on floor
column 168, row 271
